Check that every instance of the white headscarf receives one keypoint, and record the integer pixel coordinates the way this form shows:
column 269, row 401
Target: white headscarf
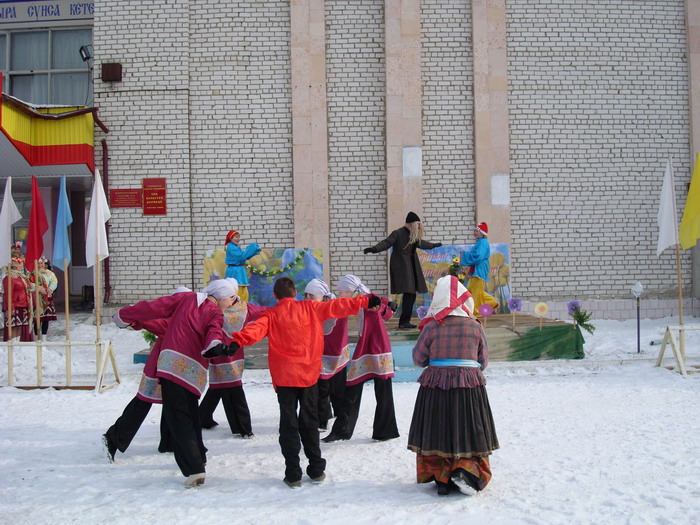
column 220, row 289
column 234, row 282
column 451, row 298
column 352, row 283
column 320, row 288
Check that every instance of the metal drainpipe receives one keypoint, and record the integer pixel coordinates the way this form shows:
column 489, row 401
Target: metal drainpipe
column 105, row 183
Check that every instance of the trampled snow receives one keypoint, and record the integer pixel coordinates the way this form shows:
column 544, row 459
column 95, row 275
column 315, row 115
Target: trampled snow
column 607, row 439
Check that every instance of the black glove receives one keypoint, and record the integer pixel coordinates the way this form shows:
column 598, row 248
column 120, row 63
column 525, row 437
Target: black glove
column 232, row 348
column 374, row 301
column 393, row 306
column 437, row 245
column 368, row 250
column 219, row 350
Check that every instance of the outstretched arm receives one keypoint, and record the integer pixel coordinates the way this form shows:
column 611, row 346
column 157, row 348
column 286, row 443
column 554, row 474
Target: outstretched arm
column 385, row 244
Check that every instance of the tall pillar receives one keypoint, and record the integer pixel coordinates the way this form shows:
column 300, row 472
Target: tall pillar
column 404, row 136
column 491, row 134
column 309, row 128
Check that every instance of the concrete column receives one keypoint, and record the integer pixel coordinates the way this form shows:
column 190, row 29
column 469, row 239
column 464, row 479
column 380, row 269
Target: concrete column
column 491, row 136
column 404, row 135
column 309, row 129
column 693, row 34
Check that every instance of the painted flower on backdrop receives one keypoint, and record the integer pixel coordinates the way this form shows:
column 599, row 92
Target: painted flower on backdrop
column 541, row 309
column 515, row 304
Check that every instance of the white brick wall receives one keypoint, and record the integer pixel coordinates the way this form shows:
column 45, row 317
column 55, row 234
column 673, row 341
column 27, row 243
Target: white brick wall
column 448, row 106
column 355, row 72
column 598, row 100
column 206, row 103
column 241, row 115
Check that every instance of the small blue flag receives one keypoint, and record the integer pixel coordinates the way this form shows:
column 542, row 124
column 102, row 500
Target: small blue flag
column 64, row 218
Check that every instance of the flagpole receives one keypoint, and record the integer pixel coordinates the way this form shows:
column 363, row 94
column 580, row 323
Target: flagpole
column 66, row 294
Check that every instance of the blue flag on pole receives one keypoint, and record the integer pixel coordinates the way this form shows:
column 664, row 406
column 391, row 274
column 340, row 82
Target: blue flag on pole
column 64, row 218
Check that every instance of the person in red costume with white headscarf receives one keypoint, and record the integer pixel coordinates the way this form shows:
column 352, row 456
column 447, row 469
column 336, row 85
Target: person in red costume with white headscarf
column 226, row 374
column 194, row 334
column 371, row 360
column 452, row 431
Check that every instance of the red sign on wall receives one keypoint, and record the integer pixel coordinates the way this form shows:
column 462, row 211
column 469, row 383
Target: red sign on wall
column 154, row 201
column 126, row 198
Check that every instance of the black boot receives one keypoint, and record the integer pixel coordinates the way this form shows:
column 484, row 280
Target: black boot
column 443, row 489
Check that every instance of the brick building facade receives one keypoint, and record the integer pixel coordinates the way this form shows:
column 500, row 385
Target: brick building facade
column 287, row 120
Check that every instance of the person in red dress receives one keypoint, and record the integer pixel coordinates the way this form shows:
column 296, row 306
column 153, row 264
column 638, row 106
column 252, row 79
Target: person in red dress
column 22, row 303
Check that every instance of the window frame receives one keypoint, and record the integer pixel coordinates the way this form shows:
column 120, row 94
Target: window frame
column 9, row 73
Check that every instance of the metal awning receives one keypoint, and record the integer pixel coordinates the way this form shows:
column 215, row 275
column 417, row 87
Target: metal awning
column 49, row 142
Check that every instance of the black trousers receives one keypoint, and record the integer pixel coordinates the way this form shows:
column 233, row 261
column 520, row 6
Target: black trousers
column 127, row 425
column 235, row 407
column 407, row 302
column 180, row 410
column 384, row 426
column 297, row 429
column 330, row 396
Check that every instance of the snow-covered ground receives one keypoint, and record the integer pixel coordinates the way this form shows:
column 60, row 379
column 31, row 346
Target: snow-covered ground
column 608, row 439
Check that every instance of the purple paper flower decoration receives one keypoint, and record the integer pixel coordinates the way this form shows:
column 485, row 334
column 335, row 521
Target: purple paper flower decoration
column 422, row 311
column 515, row 304
column 571, row 306
column 485, row 310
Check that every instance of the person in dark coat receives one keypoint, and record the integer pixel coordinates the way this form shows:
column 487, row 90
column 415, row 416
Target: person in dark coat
column 404, row 267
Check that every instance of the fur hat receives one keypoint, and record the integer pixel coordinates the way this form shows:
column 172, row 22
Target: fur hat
column 412, row 217
column 483, row 228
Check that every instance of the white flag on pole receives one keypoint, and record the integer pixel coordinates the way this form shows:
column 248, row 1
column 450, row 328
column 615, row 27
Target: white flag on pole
column 667, row 216
column 96, row 247
column 8, row 216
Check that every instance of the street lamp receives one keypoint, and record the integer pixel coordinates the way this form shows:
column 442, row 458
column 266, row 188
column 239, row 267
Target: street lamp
column 637, row 290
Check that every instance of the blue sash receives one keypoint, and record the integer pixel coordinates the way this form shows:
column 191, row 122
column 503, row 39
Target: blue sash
column 454, row 362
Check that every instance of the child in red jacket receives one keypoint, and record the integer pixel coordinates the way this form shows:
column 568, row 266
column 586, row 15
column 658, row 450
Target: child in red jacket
column 294, row 330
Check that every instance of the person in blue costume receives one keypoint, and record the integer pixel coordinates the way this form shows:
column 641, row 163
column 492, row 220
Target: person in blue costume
column 236, row 259
column 478, row 261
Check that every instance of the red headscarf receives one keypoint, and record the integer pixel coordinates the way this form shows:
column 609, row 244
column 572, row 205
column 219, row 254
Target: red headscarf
column 229, row 236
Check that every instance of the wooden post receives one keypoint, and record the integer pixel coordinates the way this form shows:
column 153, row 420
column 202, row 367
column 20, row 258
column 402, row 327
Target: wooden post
column 8, row 321
column 680, row 300
column 66, row 294
column 37, row 323
column 96, row 295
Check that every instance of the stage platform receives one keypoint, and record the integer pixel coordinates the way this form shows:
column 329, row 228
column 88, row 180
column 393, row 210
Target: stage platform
column 529, row 338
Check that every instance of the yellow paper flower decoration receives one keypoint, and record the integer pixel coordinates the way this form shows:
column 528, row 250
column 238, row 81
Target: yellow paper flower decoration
column 541, row 309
